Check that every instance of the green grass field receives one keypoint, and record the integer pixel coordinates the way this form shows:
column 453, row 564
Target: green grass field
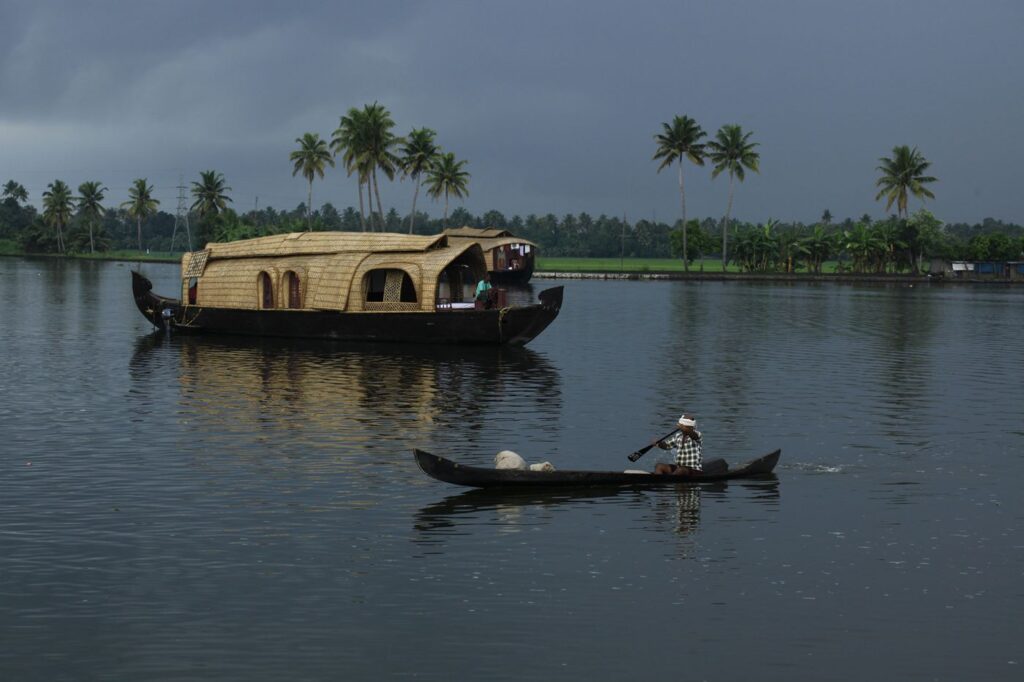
column 9, row 247
column 545, row 264
column 131, row 254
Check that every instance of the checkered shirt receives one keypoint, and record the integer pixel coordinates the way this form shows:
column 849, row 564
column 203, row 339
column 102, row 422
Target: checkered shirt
column 689, row 452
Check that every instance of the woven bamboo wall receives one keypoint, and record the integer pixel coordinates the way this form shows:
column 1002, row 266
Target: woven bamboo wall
column 329, row 281
column 234, row 283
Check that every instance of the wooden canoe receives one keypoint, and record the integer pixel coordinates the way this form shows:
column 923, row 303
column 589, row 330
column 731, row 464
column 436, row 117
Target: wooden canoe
column 482, row 477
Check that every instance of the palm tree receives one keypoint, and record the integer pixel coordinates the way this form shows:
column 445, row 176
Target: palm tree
column 210, row 193
column 310, row 158
column 903, row 173
column 90, row 198
column 447, row 177
column 140, row 205
column 348, row 141
column 419, row 153
column 679, row 141
column 377, row 154
column 733, row 152
column 15, row 191
column 57, row 206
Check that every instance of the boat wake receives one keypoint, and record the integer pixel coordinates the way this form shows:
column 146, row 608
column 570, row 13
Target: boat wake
column 814, row 468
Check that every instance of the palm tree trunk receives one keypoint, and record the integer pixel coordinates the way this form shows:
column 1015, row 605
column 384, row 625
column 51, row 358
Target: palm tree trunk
column 369, row 204
column 446, row 210
column 380, row 206
column 92, row 244
column 725, row 227
column 309, row 209
column 138, row 230
column 416, row 194
column 682, row 207
column 362, row 211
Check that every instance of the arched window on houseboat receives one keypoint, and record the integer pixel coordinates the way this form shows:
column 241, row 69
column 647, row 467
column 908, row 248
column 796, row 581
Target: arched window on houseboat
column 266, row 291
column 294, row 288
column 389, row 289
column 193, row 290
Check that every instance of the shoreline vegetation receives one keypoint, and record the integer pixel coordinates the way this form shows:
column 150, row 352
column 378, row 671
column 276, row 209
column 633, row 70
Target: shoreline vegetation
column 634, row 269
column 367, row 149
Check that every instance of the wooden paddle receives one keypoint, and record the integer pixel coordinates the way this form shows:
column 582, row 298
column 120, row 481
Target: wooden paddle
column 643, row 451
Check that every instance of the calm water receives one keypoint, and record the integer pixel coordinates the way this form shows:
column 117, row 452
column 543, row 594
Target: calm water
column 225, row 509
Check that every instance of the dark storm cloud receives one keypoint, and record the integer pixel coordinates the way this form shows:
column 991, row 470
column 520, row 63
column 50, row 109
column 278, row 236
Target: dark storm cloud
column 554, row 104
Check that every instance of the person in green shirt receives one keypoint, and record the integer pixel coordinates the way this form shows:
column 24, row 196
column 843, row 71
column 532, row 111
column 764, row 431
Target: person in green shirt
column 483, row 291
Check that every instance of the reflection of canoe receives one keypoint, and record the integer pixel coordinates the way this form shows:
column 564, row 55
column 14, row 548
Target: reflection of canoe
column 480, row 477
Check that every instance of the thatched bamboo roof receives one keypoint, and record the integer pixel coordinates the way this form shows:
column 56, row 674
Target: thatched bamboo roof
column 477, row 232
column 487, row 238
column 310, row 243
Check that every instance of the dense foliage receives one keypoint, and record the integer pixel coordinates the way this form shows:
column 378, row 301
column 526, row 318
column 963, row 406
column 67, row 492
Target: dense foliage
column 864, row 245
column 365, row 143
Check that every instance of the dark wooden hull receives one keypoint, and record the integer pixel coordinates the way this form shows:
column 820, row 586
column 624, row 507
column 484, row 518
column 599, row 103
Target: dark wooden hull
column 513, row 277
column 481, row 477
column 513, row 326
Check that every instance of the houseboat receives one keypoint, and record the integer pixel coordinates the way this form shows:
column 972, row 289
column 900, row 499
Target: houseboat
column 346, row 286
column 510, row 259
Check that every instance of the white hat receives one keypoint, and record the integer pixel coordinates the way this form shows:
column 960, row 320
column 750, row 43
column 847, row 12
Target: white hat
column 687, row 421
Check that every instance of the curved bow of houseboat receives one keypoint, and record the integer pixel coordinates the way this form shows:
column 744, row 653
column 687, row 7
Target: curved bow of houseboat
column 153, row 307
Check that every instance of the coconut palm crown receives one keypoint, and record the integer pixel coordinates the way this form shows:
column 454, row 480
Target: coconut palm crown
column 90, row 206
column 57, row 207
column 447, row 178
column 419, row 153
column 678, row 141
column 903, row 174
column 310, row 159
column 140, row 205
column 732, row 152
column 210, row 193
column 15, row 191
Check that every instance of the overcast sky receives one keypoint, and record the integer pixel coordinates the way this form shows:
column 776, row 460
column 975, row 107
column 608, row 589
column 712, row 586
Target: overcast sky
column 554, row 104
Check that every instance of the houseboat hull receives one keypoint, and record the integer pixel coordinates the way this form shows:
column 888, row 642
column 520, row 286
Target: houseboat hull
column 513, row 277
column 513, row 326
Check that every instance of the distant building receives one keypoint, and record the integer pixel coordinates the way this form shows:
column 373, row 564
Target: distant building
column 977, row 270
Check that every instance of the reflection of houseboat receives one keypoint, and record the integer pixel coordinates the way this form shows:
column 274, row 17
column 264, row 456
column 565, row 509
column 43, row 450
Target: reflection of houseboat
column 346, row 389
column 510, row 259
column 345, row 286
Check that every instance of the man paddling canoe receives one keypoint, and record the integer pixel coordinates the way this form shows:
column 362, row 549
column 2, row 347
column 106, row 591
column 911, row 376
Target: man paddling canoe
column 687, row 444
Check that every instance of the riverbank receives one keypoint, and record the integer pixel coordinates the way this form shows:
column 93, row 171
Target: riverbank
column 125, row 256
column 640, row 273
column 845, row 278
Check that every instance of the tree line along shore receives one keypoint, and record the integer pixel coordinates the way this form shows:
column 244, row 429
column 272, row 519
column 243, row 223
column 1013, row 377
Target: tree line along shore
column 365, row 146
